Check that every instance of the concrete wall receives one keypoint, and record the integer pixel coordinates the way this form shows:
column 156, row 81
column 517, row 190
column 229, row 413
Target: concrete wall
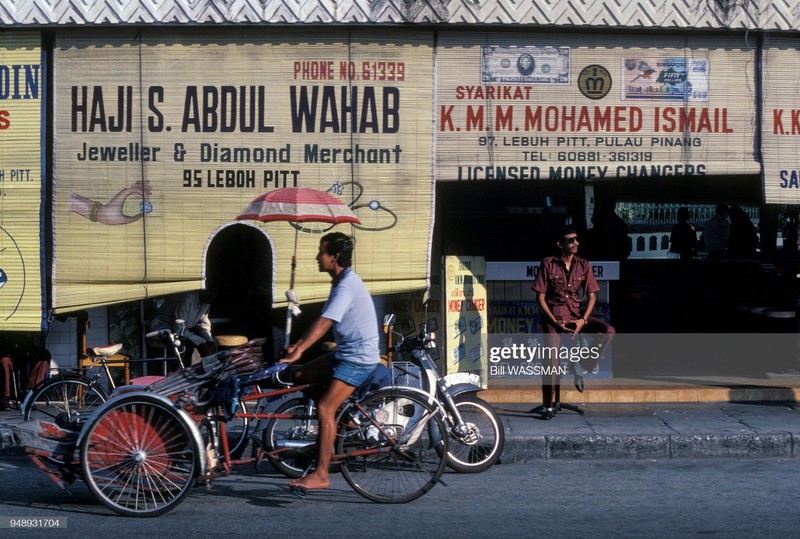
column 62, row 337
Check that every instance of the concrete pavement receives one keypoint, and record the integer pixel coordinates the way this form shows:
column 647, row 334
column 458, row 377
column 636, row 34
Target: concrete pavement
column 624, row 430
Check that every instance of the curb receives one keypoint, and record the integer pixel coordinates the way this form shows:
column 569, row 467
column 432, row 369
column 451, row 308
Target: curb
column 583, row 447
column 579, row 447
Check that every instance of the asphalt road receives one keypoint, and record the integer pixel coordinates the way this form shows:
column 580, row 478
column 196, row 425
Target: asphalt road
column 603, row 498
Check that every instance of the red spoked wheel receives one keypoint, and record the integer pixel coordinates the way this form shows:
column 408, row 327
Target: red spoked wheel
column 139, row 457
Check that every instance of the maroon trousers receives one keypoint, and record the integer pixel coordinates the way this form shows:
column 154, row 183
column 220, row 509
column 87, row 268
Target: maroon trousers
column 551, row 388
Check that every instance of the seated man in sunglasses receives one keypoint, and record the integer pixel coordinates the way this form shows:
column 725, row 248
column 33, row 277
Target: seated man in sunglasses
column 567, row 292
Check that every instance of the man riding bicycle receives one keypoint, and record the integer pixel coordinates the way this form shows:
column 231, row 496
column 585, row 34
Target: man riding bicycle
column 351, row 313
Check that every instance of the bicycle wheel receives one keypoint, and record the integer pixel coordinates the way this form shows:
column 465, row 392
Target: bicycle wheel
column 396, row 452
column 139, row 457
column 69, row 402
column 480, row 447
column 295, row 439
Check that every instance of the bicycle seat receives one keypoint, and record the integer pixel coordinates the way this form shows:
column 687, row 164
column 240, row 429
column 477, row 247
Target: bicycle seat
column 107, row 351
column 231, row 341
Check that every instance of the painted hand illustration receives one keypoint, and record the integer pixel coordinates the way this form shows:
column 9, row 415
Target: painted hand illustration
column 111, row 213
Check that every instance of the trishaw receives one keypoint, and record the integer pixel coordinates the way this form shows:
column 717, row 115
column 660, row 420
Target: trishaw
column 141, row 452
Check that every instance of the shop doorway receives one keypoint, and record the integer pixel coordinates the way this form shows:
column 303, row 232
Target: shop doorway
column 505, row 221
column 239, row 266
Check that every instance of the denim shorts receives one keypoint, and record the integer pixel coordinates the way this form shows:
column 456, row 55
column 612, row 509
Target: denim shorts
column 353, row 374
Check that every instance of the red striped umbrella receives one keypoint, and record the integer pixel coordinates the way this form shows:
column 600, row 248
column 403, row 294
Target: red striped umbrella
column 298, row 205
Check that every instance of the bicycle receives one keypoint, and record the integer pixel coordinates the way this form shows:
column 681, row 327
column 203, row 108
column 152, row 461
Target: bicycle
column 292, row 432
column 72, row 394
column 142, row 450
column 70, row 397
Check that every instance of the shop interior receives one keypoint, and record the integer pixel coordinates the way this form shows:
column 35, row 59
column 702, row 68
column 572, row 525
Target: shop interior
column 656, row 293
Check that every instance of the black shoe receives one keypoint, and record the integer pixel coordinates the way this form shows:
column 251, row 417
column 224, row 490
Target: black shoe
column 579, row 383
column 548, row 413
column 5, row 403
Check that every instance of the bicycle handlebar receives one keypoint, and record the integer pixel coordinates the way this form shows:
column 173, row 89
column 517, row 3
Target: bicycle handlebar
column 157, row 333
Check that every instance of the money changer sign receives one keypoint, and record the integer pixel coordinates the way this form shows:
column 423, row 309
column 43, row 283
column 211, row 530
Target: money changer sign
column 21, row 88
column 781, row 122
column 530, row 107
column 465, row 315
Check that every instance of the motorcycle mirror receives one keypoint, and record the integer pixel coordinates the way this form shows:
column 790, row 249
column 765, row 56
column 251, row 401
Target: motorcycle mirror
column 430, row 325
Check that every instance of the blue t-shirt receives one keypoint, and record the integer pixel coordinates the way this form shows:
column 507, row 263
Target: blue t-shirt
column 355, row 327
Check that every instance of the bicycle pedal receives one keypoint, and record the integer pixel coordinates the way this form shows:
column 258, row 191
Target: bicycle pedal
column 257, row 439
column 260, row 455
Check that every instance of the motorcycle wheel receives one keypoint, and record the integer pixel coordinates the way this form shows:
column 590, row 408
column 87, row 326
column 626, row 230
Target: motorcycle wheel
column 481, row 447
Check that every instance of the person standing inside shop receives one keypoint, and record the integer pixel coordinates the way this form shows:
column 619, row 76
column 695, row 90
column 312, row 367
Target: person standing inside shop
column 683, row 239
column 743, row 241
column 566, row 291
column 716, row 232
column 608, row 241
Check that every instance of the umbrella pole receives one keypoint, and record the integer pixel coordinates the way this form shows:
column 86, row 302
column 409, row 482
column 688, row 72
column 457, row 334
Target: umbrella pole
column 288, row 335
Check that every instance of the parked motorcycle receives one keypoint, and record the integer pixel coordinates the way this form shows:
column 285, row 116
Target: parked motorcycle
column 476, row 431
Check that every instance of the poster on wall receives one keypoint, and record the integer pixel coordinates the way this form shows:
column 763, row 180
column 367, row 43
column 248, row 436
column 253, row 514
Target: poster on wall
column 546, row 106
column 163, row 138
column 21, row 94
column 781, row 121
column 465, row 315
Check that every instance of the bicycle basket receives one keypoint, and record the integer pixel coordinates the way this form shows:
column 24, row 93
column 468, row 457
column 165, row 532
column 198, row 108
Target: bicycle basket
column 405, row 373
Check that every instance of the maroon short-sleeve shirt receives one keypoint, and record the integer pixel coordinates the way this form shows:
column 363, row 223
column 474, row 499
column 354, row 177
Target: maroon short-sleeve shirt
column 565, row 290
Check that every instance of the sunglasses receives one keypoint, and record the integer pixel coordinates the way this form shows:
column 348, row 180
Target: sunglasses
column 570, row 241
